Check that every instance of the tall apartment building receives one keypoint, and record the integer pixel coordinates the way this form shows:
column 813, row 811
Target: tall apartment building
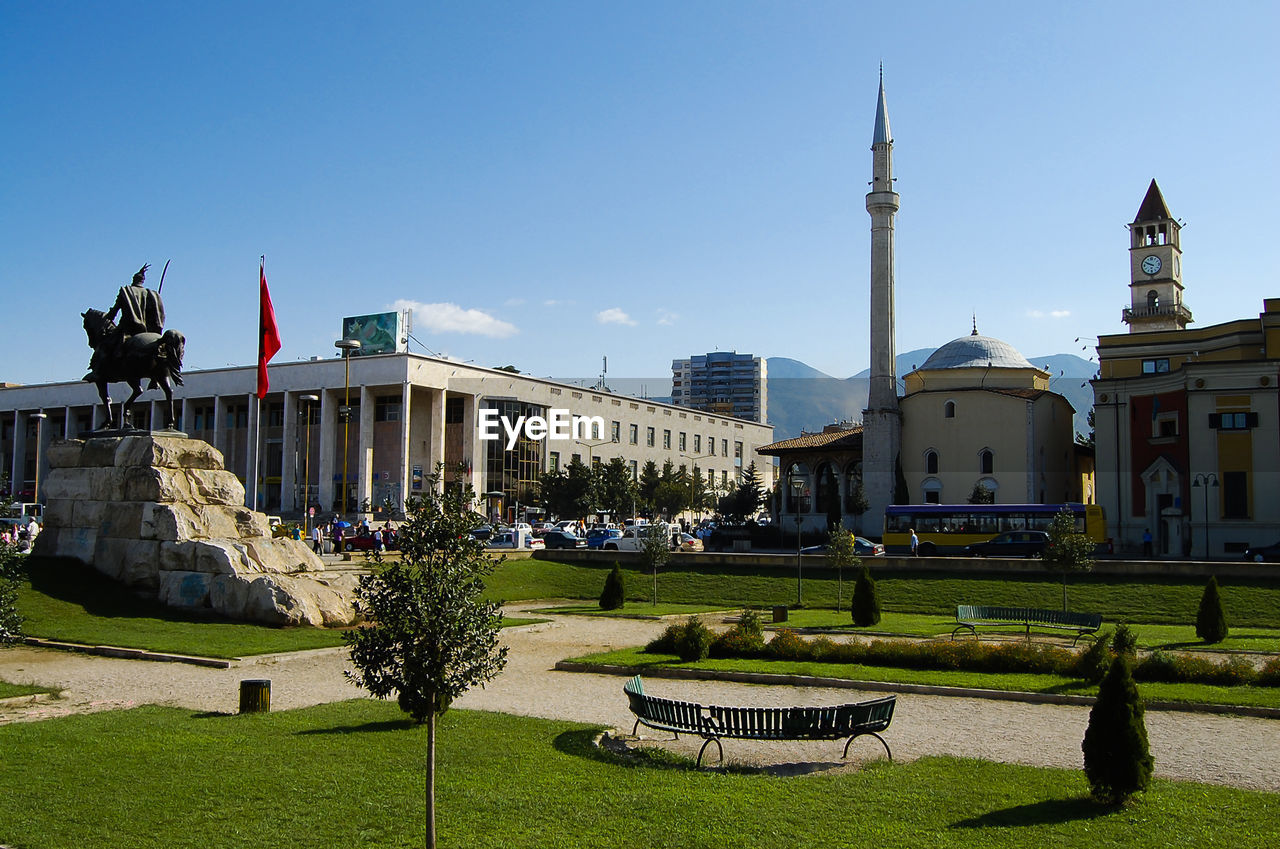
column 723, row 382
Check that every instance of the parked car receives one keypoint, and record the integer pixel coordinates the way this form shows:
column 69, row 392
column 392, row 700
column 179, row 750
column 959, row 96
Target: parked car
column 483, row 532
column 861, row 547
column 1011, row 544
column 596, row 537
column 689, row 542
column 508, row 540
column 1264, row 553
column 365, row 542
column 563, row 539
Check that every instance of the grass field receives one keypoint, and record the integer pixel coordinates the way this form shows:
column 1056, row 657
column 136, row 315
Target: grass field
column 64, row 601
column 1167, row 601
column 350, row 775
column 8, row 690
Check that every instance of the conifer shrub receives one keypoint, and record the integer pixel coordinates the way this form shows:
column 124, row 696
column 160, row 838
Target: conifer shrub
column 1125, row 641
column 693, row 641
column 1092, row 664
column 866, row 600
column 1211, row 620
column 1117, row 756
column 614, row 595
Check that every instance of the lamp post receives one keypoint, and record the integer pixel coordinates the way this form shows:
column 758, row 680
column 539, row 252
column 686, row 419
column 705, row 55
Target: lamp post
column 797, row 487
column 307, row 401
column 348, row 347
column 39, row 417
column 692, row 480
column 1204, row 482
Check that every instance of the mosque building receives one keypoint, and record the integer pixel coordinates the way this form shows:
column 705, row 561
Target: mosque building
column 976, row 420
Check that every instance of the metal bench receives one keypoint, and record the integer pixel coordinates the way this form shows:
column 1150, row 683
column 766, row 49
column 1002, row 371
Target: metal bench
column 969, row 616
column 713, row 722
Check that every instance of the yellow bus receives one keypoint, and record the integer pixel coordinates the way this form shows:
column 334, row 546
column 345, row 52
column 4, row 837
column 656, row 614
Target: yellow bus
column 948, row 528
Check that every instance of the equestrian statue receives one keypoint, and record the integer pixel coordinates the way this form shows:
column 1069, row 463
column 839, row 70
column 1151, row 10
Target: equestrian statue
column 136, row 349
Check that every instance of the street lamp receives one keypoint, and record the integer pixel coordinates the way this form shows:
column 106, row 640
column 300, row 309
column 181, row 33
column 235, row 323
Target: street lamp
column 1204, row 482
column 348, row 347
column 39, row 417
column 692, row 480
column 307, row 401
column 797, row 487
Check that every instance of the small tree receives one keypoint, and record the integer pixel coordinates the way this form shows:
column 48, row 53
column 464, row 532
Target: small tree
column 1211, row 619
column 981, row 495
column 10, row 568
column 835, row 515
column 430, row 637
column 1068, row 550
column 866, row 600
column 857, row 503
column 1117, row 757
column 655, row 548
column 841, row 554
column 615, row 591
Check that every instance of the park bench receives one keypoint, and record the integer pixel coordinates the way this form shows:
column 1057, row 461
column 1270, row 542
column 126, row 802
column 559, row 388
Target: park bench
column 713, row 722
column 969, row 616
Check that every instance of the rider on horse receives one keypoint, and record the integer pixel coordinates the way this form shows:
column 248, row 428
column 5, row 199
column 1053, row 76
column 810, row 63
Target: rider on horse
column 141, row 310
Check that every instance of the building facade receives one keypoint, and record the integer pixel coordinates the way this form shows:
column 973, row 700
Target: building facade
column 1186, row 421
column 406, row 414
column 722, row 382
column 977, row 413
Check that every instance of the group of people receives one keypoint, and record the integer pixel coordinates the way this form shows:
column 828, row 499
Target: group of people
column 20, row 535
column 339, row 532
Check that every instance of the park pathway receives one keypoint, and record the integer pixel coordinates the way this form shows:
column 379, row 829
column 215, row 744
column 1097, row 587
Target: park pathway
column 1235, row 751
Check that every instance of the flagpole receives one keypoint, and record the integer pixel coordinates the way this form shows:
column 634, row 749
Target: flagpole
column 257, row 402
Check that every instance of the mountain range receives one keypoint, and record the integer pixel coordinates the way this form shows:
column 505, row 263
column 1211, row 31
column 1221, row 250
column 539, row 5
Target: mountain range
column 803, row 398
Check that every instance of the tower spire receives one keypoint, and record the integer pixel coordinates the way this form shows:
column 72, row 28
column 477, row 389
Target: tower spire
column 882, row 420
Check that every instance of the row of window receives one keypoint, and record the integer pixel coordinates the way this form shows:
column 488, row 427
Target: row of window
column 986, row 462
column 386, row 409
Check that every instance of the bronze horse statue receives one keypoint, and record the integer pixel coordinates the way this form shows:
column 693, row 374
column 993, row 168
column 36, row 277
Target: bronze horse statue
column 132, row 359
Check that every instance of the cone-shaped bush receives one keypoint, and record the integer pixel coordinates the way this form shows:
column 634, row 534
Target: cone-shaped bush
column 866, row 600
column 1117, row 757
column 614, row 595
column 1211, row 621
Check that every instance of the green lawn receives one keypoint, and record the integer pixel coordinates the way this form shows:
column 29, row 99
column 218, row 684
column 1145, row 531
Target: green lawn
column 1016, row 682
column 1170, row 637
column 350, row 775
column 639, row 611
column 1168, row 601
column 64, row 601
column 8, row 691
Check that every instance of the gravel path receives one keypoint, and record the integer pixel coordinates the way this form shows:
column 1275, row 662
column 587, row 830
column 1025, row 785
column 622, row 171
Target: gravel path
column 1235, row 751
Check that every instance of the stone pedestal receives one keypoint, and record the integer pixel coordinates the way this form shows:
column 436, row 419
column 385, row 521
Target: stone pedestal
column 160, row 513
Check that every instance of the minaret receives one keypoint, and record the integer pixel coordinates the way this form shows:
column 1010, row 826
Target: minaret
column 882, row 420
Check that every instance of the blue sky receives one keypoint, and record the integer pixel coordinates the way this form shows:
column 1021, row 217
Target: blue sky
column 551, row 182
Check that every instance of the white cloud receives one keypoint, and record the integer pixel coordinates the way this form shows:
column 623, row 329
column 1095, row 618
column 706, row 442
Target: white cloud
column 614, row 315
column 451, row 318
column 1050, row 314
column 667, row 318
column 558, row 302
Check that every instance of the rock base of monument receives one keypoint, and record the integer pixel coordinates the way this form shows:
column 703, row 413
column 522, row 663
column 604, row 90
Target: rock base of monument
column 160, row 513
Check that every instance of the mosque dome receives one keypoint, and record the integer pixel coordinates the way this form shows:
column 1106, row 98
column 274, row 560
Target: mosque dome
column 976, row 351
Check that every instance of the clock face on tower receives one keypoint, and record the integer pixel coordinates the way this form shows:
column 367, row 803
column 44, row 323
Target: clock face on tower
column 1151, row 264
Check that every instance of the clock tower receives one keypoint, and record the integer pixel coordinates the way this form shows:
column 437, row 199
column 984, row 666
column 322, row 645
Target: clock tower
column 1155, row 269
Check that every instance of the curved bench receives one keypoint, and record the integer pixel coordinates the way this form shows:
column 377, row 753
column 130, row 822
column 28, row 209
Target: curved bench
column 969, row 616
column 713, row 722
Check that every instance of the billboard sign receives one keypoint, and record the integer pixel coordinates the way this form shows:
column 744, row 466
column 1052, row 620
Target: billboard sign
column 379, row 333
